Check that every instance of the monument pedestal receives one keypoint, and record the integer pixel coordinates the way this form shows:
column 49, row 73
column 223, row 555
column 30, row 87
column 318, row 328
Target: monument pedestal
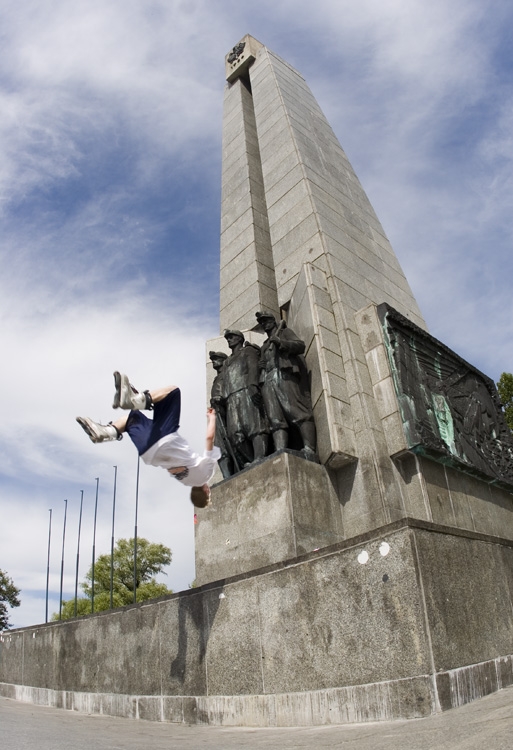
column 279, row 509
column 399, row 623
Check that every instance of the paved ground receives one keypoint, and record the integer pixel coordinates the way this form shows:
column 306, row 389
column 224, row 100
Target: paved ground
column 486, row 724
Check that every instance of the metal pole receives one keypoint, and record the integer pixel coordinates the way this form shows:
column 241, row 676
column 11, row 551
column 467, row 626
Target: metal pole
column 112, row 540
column 78, row 548
column 135, row 530
column 48, row 564
column 97, row 480
column 62, row 558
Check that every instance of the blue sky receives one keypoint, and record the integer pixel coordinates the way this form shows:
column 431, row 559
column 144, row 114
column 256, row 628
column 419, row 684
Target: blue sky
column 110, row 125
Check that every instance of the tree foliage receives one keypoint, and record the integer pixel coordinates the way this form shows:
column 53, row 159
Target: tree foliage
column 151, row 559
column 9, row 595
column 505, row 388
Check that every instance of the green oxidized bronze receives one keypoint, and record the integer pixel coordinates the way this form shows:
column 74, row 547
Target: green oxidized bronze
column 451, row 412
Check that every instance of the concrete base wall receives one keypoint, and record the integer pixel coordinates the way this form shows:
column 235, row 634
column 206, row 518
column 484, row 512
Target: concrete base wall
column 413, row 698
column 404, row 621
column 274, row 511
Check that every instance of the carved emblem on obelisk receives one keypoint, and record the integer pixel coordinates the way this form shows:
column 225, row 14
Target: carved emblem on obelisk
column 236, row 52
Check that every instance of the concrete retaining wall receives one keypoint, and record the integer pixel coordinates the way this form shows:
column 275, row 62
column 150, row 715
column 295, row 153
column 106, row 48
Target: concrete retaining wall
column 382, row 701
column 405, row 621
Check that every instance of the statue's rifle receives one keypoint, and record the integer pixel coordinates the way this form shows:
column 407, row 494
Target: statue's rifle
column 225, row 438
column 281, row 326
column 278, row 330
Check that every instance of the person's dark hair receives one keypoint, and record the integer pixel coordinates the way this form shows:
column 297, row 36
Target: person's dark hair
column 200, row 497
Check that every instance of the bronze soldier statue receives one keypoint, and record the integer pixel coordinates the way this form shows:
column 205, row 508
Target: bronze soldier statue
column 227, row 462
column 246, row 425
column 285, row 386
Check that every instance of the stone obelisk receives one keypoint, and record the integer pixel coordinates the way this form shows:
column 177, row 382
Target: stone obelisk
column 290, row 197
column 300, row 238
column 299, row 234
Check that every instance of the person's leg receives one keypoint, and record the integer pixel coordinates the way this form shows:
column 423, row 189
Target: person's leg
column 143, row 432
column 120, row 424
column 167, row 403
column 128, row 397
column 160, row 393
column 139, row 429
column 146, row 432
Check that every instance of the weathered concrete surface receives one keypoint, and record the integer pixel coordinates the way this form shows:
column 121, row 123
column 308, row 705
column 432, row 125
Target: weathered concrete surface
column 285, row 506
column 279, row 509
column 247, row 278
column 317, row 208
column 400, row 623
column 487, row 723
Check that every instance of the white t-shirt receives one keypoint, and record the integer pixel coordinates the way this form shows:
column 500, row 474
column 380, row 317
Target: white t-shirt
column 172, row 451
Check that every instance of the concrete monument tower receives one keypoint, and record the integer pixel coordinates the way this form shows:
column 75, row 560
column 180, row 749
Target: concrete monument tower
column 300, row 238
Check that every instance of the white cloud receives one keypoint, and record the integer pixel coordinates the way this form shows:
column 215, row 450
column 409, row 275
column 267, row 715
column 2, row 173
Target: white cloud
column 89, row 71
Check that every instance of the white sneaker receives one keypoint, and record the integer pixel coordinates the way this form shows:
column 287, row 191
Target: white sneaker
column 98, row 433
column 125, row 395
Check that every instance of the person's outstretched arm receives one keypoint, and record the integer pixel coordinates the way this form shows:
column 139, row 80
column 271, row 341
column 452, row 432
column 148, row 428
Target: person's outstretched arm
column 211, row 429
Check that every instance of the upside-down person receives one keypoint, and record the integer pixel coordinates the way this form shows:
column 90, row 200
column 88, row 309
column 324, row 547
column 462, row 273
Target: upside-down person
column 157, row 440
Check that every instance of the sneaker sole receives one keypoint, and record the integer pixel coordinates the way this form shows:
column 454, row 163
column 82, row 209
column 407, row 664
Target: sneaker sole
column 125, row 391
column 117, row 393
column 88, row 429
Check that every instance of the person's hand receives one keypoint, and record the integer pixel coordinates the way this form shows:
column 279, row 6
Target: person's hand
column 211, row 429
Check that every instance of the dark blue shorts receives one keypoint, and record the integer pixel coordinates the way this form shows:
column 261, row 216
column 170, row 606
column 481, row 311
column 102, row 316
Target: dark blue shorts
column 146, row 432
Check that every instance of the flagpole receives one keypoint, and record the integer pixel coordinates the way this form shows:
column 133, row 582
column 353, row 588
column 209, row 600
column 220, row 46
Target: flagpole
column 112, row 539
column 135, row 530
column 62, row 558
column 78, row 547
column 48, row 563
column 97, row 479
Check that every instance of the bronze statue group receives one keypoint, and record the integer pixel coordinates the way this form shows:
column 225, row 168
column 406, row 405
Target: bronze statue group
column 262, row 397
column 260, row 404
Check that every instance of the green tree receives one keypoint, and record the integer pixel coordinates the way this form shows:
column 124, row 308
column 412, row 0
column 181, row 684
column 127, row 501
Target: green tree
column 151, row 559
column 8, row 596
column 505, row 388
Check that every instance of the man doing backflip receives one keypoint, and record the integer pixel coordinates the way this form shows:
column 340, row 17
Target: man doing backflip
column 157, row 440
